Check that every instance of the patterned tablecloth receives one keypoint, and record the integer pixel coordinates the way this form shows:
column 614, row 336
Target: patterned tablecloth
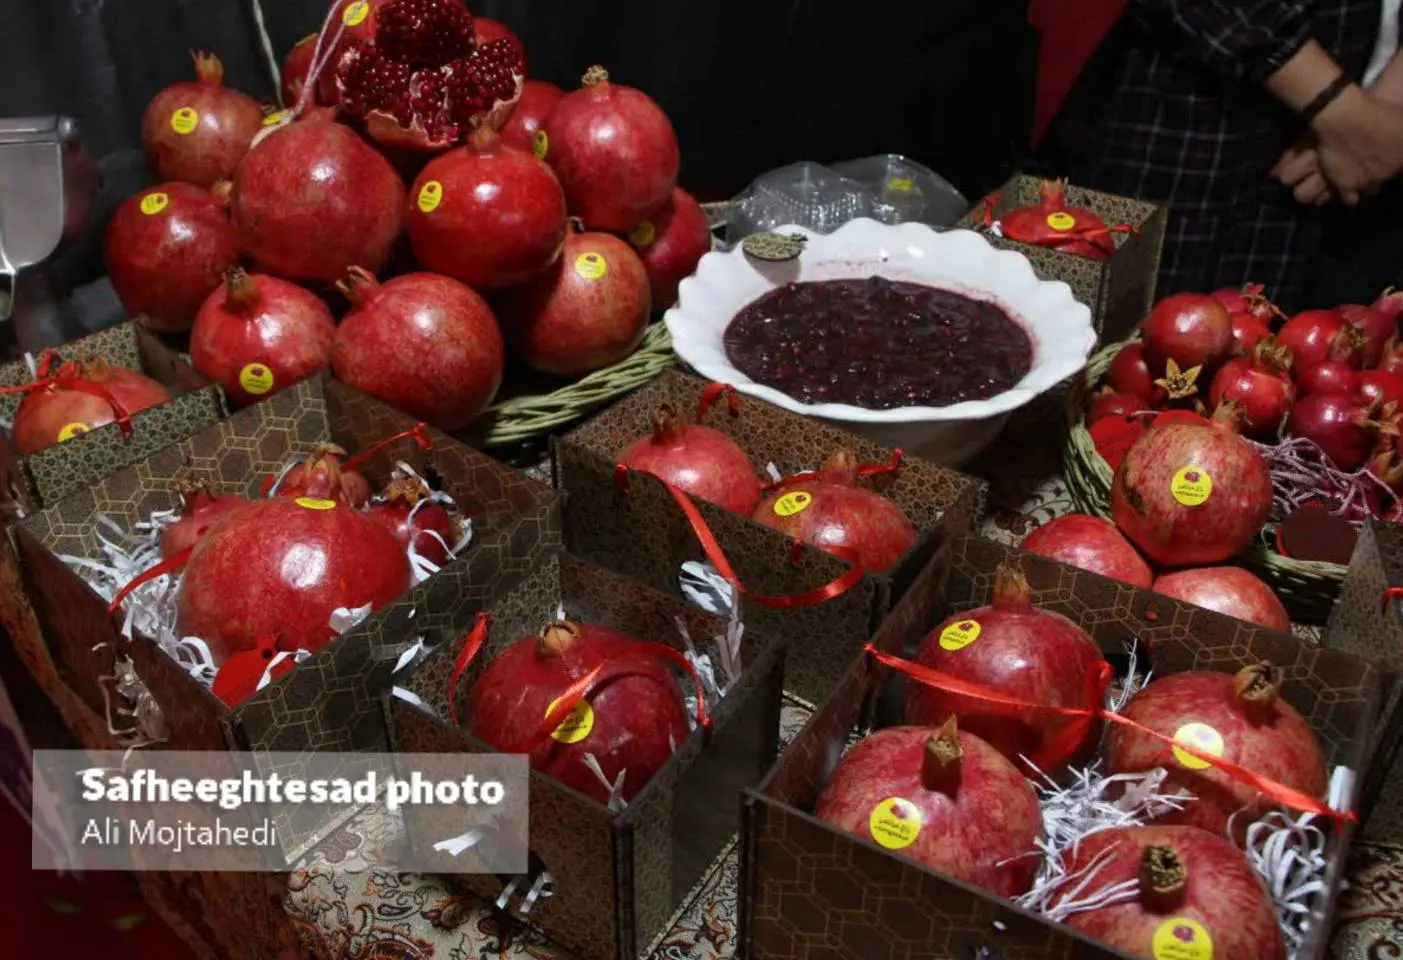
column 348, row 913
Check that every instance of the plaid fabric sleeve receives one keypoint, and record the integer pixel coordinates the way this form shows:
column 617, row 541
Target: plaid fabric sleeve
column 1241, row 39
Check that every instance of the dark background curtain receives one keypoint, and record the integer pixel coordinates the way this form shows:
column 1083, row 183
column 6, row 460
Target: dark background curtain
column 749, row 84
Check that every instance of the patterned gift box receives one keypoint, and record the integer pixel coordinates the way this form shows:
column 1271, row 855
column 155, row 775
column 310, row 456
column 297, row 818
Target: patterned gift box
column 618, row 879
column 331, row 701
column 1119, row 290
column 638, row 529
column 809, row 890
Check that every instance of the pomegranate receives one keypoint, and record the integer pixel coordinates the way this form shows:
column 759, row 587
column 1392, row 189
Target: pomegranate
column 314, row 199
column 296, row 67
column 1248, row 330
column 1198, row 896
column 614, row 151
column 1129, row 372
column 1018, row 650
column 200, row 509
column 1390, row 302
column 1240, row 718
column 406, row 511
column 1089, row 543
column 698, row 460
column 63, row 409
column 943, row 797
column 198, row 132
column 833, row 511
column 1319, row 335
column 1249, row 299
column 672, row 243
column 422, row 343
column 1227, row 590
column 1189, row 328
column 586, row 312
column 279, row 568
column 487, row 31
column 1328, row 376
column 1108, row 403
column 630, row 721
column 486, row 214
column 1341, row 424
column 1380, row 386
column 1051, row 223
column 321, row 477
column 1392, row 361
column 1189, row 494
column 260, row 334
column 1261, row 385
column 166, row 249
column 522, row 129
column 425, row 82
column 1375, row 328
column 357, row 21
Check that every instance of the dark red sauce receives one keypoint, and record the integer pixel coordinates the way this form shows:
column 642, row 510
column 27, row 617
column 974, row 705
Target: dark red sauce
column 878, row 344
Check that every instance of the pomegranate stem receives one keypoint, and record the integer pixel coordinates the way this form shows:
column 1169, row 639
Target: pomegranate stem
column 209, row 69
column 1164, row 879
column 940, row 764
column 594, row 76
column 667, row 425
column 357, row 285
column 1011, row 590
column 1255, row 691
column 840, row 467
column 239, row 291
column 556, row 638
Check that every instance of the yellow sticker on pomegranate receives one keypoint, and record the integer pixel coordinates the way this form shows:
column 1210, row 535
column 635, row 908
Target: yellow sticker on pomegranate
column 540, row 143
column 71, row 430
column 1202, row 738
column 1191, row 486
column 959, row 635
column 1181, row 938
column 591, row 266
column 644, row 234
column 185, row 120
column 154, row 203
column 894, row 823
column 314, row 503
column 792, row 503
column 256, row 378
column 430, row 196
column 1061, row 221
column 355, row 14
column 577, row 723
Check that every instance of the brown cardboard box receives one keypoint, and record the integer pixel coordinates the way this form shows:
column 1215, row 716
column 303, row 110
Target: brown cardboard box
column 810, row 891
column 331, row 701
column 641, row 532
column 618, row 879
column 1119, row 291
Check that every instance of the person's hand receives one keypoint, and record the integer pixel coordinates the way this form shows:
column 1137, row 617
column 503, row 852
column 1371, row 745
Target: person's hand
column 1299, row 169
column 1360, row 143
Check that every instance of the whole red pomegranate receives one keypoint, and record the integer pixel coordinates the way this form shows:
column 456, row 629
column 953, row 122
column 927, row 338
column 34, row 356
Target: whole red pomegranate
column 1240, row 718
column 943, row 797
column 166, row 249
column 1129, row 372
column 1192, row 493
column 1261, row 386
column 279, row 568
column 586, row 312
column 696, row 459
column 422, row 343
column 260, row 334
column 1189, row 328
column 1341, row 424
column 314, row 199
column 1051, row 223
column 357, row 22
column 198, row 132
column 1018, row 650
column 425, row 81
column 1227, row 590
column 672, row 243
column 320, row 476
column 1380, row 386
column 78, row 399
column 1198, row 896
column 833, row 512
column 1319, row 335
column 1089, row 543
column 296, row 67
column 631, row 720
column 1109, row 403
column 486, row 214
column 614, row 151
column 1248, row 330
column 406, row 511
column 523, row 128
column 489, row 30
column 1374, row 326
column 1328, row 376
column 200, row 509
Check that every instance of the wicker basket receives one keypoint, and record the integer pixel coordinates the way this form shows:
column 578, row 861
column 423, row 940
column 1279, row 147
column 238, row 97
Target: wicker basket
column 1307, row 587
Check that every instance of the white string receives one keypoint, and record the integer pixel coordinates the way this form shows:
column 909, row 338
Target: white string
column 266, row 42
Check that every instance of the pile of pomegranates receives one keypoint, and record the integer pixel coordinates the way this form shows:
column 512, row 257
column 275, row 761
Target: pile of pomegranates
column 418, row 136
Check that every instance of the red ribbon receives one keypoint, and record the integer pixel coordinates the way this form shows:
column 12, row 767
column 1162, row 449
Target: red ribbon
column 1390, row 594
column 863, row 470
column 712, row 393
column 69, row 377
column 471, row 645
column 168, row 565
column 415, row 433
column 1282, row 794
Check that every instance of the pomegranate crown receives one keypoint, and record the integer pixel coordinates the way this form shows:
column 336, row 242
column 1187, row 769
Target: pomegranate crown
column 1011, row 590
column 556, row 638
column 1163, row 878
column 240, row 292
column 1256, row 688
column 840, row 467
column 596, row 77
column 1053, row 193
column 941, row 760
column 667, row 424
column 1272, row 356
column 209, row 69
column 408, row 490
column 358, row 285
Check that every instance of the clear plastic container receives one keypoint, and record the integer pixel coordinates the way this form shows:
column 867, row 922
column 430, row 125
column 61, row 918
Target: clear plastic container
column 804, row 194
column 900, row 190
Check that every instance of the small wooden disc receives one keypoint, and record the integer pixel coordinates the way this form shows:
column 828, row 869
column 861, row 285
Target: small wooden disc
column 774, row 247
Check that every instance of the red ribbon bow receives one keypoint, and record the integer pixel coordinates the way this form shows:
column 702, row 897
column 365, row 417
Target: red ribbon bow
column 69, row 377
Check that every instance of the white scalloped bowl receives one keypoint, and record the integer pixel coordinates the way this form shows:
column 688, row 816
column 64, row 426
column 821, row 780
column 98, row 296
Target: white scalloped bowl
column 958, row 260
